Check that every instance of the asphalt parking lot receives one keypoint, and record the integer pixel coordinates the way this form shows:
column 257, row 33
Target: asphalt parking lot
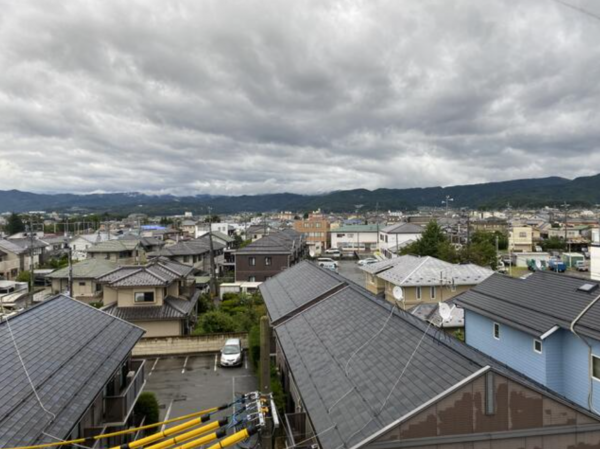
column 186, row 385
column 350, row 270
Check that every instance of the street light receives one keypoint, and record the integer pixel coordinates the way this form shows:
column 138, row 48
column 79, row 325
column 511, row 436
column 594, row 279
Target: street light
column 447, row 202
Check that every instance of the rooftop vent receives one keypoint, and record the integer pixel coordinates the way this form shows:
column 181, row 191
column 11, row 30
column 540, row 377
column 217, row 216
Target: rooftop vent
column 587, row 288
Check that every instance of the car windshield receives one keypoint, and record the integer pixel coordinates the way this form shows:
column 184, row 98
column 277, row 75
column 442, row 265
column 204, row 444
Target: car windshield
column 230, row 349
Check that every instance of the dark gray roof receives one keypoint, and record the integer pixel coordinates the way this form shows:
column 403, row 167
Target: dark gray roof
column 535, row 304
column 7, row 246
column 157, row 272
column 188, row 248
column 277, row 242
column 173, row 308
column 70, row 350
column 320, row 340
column 295, row 288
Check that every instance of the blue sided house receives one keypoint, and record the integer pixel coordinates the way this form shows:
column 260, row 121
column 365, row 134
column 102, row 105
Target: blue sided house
column 546, row 326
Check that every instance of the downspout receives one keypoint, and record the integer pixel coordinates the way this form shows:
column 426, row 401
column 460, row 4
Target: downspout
column 590, row 368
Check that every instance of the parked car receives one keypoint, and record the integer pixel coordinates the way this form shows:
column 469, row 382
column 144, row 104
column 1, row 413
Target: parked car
column 367, row 261
column 328, row 263
column 232, row 353
column 333, row 253
column 581, row 265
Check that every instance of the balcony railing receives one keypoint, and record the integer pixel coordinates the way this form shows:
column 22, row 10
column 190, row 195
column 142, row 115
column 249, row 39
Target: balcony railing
column 118, row 408
column 299, row 431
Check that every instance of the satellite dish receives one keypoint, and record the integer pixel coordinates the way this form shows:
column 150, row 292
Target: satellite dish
column 445, row 311
column 398, row 293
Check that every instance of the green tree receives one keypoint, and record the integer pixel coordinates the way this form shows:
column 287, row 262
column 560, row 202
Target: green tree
column 215, row 322
column 14, row 224
column 434, row 243
column 147, row 405
column 212, row 219
column 24, row 276
column 553, row 243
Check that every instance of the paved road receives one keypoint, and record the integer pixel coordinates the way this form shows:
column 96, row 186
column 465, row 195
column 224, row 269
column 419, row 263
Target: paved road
column 349, row 269
column 189, row 384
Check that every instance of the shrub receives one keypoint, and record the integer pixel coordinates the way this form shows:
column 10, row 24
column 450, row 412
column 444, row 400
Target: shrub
column 215, row 322
column 147, row 405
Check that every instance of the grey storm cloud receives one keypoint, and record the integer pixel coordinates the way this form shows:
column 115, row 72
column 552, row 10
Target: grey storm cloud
column 231, row 96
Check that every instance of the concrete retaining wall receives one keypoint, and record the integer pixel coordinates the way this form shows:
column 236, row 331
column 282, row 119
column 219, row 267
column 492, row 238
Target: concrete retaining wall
column 149, row 347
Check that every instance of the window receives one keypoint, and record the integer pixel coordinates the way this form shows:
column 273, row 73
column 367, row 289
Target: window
column 596, row 367
column 537, row 346
column 496, row 331
column 432, row 292
column 419, row 293
column 144, row 296
column 522, row 235
column 251, row 278
column 268, row 261
column 82, row 284
column 252, row 261
column 317, row 225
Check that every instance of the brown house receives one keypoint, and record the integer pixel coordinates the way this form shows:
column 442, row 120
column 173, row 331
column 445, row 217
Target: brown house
column 316, row 232
column 361, row 373
column 269, row 255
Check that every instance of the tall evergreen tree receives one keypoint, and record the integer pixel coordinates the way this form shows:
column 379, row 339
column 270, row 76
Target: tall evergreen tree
column 14, row 224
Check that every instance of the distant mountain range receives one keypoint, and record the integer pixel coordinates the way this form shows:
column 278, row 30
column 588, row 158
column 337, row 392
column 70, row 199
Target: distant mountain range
column 584, row 191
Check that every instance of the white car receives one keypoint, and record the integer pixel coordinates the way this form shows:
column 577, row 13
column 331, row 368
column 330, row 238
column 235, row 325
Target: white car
column 232, row 354
column 333, row 253
column 328, row 263
column 367, row 261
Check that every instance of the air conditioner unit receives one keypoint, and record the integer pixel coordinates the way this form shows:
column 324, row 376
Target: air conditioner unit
column 130, row 375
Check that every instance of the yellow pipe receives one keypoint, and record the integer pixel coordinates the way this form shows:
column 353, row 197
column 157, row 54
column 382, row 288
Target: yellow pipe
column 205, row 439
column 187, row 436
column 121, row 432
column 173, row 430
column 233, row 439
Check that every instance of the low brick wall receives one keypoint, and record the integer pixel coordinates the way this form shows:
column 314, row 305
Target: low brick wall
column 150, row 347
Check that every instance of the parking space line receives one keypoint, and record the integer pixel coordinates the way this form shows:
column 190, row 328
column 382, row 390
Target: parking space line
column 216, row 360
column 166, row 418
column 184, row 365
column 153, row 366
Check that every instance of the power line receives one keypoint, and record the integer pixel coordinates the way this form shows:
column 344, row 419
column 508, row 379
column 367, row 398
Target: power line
column 581, row 10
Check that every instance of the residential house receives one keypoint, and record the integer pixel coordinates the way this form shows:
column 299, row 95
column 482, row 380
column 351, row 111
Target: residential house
column 546, row 326
column 595, row 255
column 79, row 361
column 13, row 296
column 355, row 238
column 269, row 255
column 423, row 279
column 160, row 297
column 256, row 232
column 126, row 250
column 14, row 259
column 490, row 224
column 316, row 232
column 81, row 243
column 84, row 273
column 188, row 227
column 392, row 238
column 195, row 253
column 520, row 239
column 359, row 373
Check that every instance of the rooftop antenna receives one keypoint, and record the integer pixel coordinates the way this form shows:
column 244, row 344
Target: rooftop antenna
column 398, row 294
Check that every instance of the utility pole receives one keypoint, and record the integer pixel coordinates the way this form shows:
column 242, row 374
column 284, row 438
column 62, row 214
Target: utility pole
column 31, row 256
column 566, row 206
column 213, row 279
column 447, row 203
column 265, row 372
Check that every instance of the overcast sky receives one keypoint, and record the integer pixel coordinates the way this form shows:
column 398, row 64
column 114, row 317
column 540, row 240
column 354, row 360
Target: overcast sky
column 259, row 96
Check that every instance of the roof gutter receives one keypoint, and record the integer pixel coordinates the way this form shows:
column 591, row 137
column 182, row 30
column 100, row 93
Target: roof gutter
column 590, row 367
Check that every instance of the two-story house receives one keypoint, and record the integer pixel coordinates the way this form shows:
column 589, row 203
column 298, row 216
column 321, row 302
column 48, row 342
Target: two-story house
column 14, row 259
column 546, row 326
column 160, row 297
column 195, row 253
column 127, row 250
column 85, row 273
column 359, row 373
column 79, row 361
column 392, row 238
column 357, row 238
column 422, row 279
column 269, row 255
column 520, row 239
